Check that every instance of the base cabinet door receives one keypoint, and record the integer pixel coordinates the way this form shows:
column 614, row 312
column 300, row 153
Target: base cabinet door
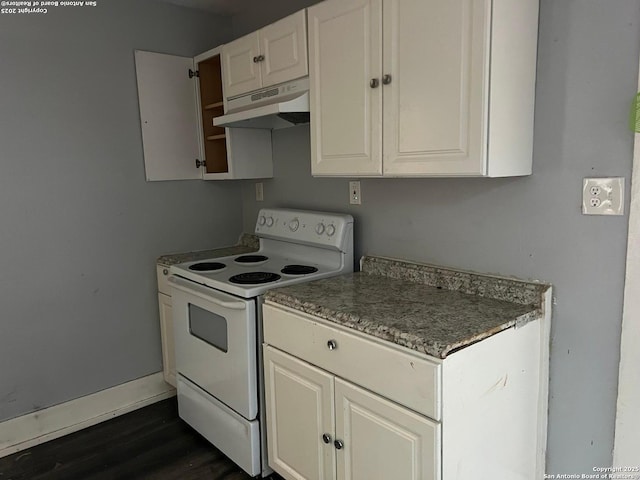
column 320, row 427
column 299, row 411
column 166, row 334
column 380, row 439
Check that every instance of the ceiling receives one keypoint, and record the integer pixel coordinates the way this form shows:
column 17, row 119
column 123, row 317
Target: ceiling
column 220, row 7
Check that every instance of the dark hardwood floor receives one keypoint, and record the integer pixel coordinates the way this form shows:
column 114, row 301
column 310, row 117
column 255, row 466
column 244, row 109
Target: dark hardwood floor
column 150, row 443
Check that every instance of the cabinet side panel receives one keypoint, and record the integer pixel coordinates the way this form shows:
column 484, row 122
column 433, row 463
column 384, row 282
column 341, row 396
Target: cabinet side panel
column 249, row 152
column 513, row 77
column 491, row 407
column 168, row 116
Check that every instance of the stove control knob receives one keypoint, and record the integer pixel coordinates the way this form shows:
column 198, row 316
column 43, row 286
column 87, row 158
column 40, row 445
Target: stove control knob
column 331, row 230
column 261, row 220
column 294, row 224
column 269, row 221
column 320, row 228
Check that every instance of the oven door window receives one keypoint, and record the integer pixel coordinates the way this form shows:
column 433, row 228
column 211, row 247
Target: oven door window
column 208, row 327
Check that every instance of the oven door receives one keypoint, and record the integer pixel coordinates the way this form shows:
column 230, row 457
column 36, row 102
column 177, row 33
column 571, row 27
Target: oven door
column 215, row 344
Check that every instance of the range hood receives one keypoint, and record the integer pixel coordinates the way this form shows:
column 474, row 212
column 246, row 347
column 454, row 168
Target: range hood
column 279, row 106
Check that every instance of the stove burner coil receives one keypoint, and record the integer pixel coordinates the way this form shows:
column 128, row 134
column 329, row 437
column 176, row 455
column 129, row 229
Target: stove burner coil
column 206, row 266
column 298, row 269
column 251, row 259
column 254, row 278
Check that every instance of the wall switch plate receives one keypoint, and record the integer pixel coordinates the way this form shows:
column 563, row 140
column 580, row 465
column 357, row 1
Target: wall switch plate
column 354, row 193
column 259, row 192
column 603, row 196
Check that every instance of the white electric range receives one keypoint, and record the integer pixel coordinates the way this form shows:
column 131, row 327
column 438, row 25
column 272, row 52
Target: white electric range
column 217, row 320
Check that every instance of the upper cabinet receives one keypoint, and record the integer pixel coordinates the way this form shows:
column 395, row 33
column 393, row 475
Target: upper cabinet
column 272, row 55
column 422, row 88
column 179, row 98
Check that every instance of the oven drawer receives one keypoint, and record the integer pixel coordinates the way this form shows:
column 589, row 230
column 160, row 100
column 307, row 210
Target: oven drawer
column 392, row 371
column 237, row 437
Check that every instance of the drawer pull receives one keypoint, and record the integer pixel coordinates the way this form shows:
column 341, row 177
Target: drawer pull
column 338, row 444
column 326, row 438
column 332, row 345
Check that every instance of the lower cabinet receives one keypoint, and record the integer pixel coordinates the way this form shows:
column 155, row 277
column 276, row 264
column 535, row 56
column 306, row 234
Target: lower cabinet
column 166, row 325
column 344, row 405
column 166, row 334
column 322, row 427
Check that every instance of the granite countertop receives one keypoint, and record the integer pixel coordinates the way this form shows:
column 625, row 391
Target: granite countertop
column 429, row 309
column 247, row 243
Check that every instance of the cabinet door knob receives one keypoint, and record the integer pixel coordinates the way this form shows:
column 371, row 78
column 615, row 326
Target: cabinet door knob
column 255, row 60
column 261, row 58
column 338, row 444
column 332, row 345
column 326, row 438
column 374, row 83
column 200, row 163
column 165, row 271
column 386, row 79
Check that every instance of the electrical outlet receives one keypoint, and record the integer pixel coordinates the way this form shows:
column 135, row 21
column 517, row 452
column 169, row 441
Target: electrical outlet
column 354, row 193
column 259, row 192
column 603, row 196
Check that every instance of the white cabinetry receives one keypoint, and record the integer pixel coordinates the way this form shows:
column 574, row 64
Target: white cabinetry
column 429, row 88
column 166, row 326
column 344, row 405
column 269, row 56
column 374, row 438
column 179, row 98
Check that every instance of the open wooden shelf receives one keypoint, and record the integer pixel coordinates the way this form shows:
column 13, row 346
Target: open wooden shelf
column 215, row 148
column 211, row 106
column 216, row 137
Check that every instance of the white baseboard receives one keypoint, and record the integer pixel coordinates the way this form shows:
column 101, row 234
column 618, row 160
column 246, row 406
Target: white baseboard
column 54, row 422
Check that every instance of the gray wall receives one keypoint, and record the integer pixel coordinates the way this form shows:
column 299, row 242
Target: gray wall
column 528, row 227
column 81, row 228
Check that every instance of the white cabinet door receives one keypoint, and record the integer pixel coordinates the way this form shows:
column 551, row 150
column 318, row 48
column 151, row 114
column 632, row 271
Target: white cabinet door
column 283, row 45
column 167, row 337
column 345, row 56
column 435, row 54
column 241, row 66
column 383, row 440
column 168, row 115
column 299, row 411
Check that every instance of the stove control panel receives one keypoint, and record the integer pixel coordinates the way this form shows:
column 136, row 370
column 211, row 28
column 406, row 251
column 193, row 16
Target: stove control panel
column 331, row 230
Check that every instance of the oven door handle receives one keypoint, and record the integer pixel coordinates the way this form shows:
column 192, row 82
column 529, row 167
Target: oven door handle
column 204, row 293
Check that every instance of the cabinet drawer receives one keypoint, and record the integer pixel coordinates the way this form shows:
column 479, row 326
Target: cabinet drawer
column 163, row 279
column 384, row 368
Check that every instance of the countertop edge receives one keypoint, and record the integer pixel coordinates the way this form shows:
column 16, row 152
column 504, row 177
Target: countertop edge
column 512, row 290
column 246, row 243
column 499, row 287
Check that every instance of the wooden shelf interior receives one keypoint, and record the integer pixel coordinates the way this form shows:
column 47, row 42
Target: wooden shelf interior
column 211, row 99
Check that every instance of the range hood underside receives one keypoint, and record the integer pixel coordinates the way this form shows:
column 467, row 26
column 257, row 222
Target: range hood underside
column 275, row 116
